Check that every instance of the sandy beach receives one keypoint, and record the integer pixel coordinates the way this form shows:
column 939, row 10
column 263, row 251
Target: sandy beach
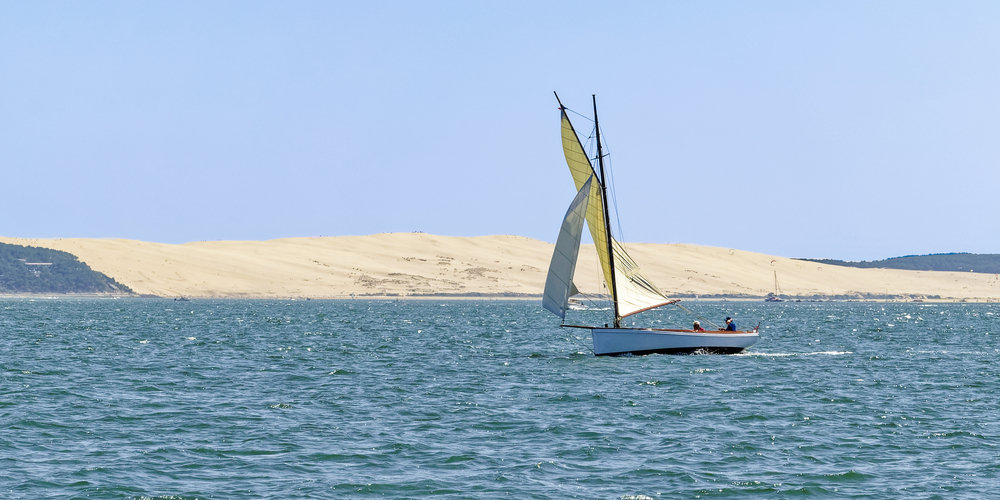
column 419, row 264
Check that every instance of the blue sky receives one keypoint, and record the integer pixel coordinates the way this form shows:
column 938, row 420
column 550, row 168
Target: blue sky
column 851, row 130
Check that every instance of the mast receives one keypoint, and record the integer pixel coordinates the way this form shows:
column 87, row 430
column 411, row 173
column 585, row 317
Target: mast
column 607, row 218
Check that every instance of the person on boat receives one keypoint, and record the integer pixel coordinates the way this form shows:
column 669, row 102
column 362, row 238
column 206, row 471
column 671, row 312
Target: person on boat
column 730, row 325
column 697, row 327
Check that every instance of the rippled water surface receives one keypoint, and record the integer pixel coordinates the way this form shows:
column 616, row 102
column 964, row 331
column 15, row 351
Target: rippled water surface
column 481, row 399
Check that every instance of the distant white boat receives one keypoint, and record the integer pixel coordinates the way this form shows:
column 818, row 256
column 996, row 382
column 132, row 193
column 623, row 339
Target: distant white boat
column 631, row 290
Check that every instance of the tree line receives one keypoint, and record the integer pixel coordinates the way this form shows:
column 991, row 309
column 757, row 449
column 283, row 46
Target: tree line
column 955, row 262
column 64, row 274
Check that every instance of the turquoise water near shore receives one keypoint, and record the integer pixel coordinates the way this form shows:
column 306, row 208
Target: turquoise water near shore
column 147, row 398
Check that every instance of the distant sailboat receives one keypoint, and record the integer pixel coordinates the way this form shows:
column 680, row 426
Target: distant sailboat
column 776, row 296
column 631, row 291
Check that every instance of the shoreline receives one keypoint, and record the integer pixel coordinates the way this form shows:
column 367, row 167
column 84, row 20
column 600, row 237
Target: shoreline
column 946, row 300
column 421, row 266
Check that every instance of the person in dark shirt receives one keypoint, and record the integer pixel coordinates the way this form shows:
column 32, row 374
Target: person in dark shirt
column 730, row 325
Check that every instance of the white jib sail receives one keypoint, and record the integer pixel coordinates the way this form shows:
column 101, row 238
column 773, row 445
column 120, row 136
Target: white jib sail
column 559, row 283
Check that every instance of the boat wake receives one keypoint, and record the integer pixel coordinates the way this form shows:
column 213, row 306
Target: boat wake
column 788, row 354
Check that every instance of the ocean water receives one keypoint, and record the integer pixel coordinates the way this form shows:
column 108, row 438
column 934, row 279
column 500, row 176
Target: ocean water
column 147, row 398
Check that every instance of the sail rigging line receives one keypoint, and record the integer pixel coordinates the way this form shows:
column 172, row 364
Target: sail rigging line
column 591, row 349
column 589, row 146
column 614, row 201
column 621, row 240
column 585, row 117
column 604, row 298
column 692, row 313
column 582, row 343
column 609, row 183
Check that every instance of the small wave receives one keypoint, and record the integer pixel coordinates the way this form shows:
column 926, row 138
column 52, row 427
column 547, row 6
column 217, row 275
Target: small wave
column 251, row 453
column 164, row 497
column 956, row 434
column 335, row 457
column 747, row 418
column 786, row 354
column 851, row 475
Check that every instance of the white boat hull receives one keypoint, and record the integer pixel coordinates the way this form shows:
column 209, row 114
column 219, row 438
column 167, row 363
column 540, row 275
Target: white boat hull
column 616, row 341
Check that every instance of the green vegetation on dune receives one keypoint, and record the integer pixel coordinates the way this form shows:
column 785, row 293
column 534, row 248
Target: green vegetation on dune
column 41, row 270
column 955, row 262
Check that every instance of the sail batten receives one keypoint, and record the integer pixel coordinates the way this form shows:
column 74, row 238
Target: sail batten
column 633, row 291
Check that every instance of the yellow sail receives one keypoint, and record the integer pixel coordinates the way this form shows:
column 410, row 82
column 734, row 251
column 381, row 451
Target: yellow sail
column 633, row 290
column 581, row 169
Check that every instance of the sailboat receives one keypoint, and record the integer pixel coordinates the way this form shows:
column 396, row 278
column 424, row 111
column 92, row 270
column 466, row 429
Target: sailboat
column 631, row 291
column 776, row 296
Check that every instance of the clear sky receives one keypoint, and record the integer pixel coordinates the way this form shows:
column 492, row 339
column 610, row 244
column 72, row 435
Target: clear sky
column 850, row 130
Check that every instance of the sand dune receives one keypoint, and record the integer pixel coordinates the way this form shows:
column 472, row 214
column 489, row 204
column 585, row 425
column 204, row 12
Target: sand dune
column 411, row 264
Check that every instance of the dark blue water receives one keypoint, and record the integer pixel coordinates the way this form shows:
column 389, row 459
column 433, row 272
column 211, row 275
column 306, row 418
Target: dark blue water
column 151, row 398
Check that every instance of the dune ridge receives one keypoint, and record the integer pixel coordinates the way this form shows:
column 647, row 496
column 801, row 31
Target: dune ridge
column 420, row 264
